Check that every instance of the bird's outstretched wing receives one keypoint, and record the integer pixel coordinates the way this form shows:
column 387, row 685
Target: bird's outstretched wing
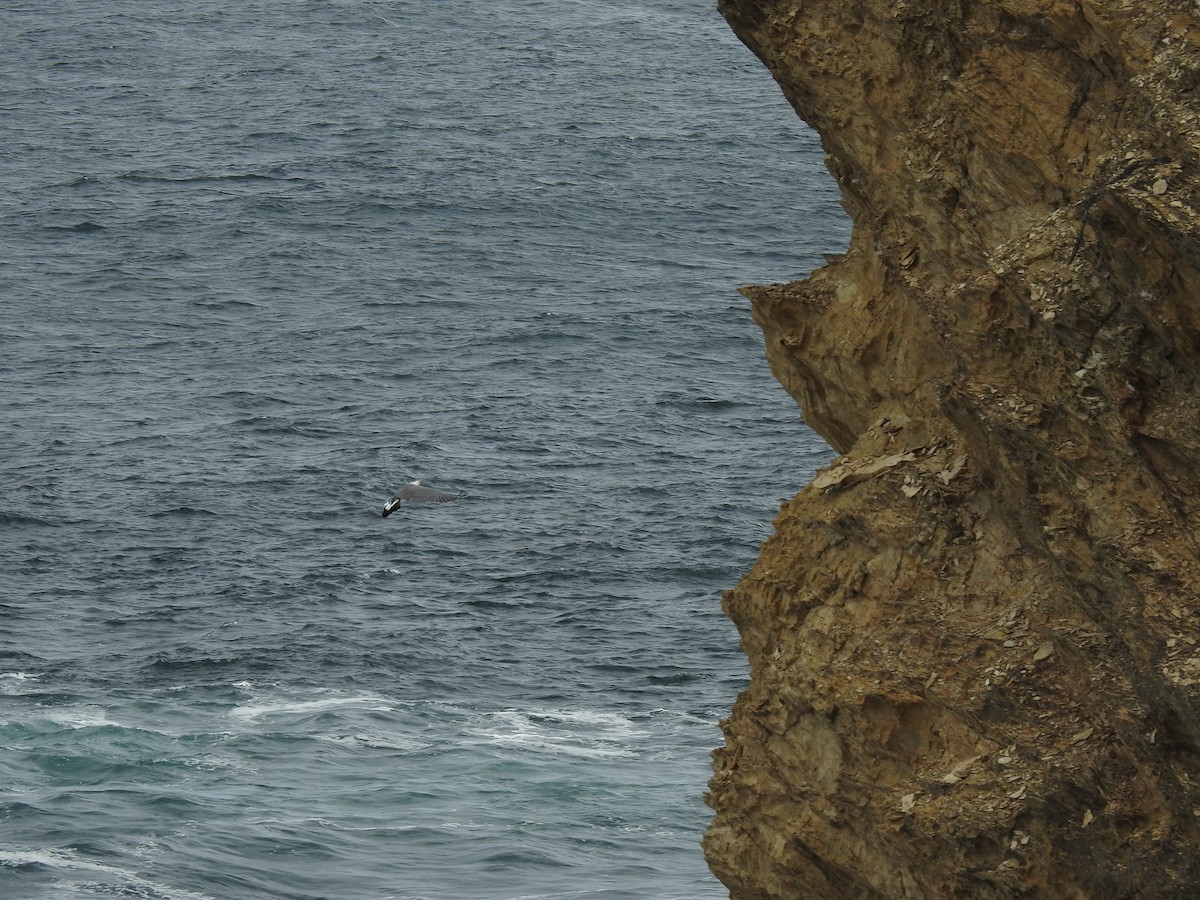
column 419, row 493
column 415, row 492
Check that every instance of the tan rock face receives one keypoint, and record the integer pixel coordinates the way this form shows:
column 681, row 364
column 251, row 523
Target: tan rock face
column 975, row 638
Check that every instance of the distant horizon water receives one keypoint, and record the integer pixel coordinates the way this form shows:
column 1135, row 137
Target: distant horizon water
column 262, row 264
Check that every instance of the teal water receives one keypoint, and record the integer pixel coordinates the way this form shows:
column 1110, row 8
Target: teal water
column 263, row 263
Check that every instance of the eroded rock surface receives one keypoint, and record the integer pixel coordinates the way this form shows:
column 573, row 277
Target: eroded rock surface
column 975, row 637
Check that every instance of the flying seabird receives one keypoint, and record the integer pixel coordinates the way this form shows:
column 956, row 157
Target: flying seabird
column 415, row 492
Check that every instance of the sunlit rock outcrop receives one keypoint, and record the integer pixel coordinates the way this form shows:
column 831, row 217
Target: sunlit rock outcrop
column 975, row 637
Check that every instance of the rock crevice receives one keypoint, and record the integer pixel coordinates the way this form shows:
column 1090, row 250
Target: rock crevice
column 975, row 638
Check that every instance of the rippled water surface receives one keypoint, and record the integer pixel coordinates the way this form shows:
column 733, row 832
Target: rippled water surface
column 261, row 263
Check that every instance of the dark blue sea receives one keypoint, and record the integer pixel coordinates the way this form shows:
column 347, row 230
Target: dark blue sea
column 261, row 264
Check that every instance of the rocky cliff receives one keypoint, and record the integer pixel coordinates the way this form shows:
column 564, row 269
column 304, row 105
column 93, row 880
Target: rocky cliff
column 973, row 638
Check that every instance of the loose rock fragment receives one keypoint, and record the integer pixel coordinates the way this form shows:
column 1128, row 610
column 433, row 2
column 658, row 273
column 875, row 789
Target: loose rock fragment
column 1081, row 736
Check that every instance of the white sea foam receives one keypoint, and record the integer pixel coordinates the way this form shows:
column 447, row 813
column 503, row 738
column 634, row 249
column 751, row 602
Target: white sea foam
column 586, row 733
column 379, row 742
column 299, row 707
column 375, row 573
column 17, row 683
column 69, row 865
column 78, row 717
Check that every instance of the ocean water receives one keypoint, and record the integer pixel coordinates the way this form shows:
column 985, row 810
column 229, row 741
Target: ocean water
column 260, row 264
